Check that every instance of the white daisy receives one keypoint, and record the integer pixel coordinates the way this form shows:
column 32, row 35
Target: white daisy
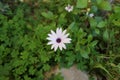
column 69, row 8
column 58, row 39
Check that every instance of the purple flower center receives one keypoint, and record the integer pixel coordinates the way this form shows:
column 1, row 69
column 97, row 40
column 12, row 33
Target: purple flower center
column 69, row 7
column 58, row 40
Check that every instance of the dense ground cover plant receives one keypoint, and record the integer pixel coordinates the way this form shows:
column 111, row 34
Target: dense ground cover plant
column 25, row 25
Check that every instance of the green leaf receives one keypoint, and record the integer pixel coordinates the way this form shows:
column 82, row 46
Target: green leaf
column 84, row 53
column 24, row 55
column 46, row 67
column 44, row 57
column 17, row 62
column 57, row 57
column 82, row 3
column 31, row 70
column 4, row 70
column 78, row 56
column 20, row 70
column 2, row 48
column 105, row 5
column 4, row 78
column 116, row 22
column 94, row 9
column 90, row 37
column 117, row 9
column 72, row 26
column 93, row 22
column 27, row 78
column 92, row 44
column 81, row 65
column 105, row 35
column 70, row 58
column 99, row 1
column 101, row 24
column 97, row 31
column 48, row 15
column 62, row 19
column 102, row 68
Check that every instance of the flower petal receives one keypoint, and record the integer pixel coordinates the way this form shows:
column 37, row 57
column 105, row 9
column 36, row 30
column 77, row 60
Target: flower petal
column 57, row 31
column 63, row 45
column 49, row 43
column 64, row 32
column 66, row 35
column 55, row 48
column 67, row 40
column 60, row 47
column 60, row 31
column 51, row 38
column 53, row 33
column 49, row 35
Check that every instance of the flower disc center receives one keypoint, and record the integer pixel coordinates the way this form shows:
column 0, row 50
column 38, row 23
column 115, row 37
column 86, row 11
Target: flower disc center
column 58, row 40
column 69, row 7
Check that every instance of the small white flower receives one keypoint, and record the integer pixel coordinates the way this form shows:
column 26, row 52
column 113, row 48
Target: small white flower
column 69, row 8
column 91, row 14
column 58, row 39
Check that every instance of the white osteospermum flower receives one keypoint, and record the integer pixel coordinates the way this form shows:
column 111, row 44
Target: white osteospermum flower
column 69, row 8
column 58, row 39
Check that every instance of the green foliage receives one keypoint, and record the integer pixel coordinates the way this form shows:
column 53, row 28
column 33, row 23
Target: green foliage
column 48, row 15
column 105, row 5
column 95, row 45
column 82, row 3
column 56, row 77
